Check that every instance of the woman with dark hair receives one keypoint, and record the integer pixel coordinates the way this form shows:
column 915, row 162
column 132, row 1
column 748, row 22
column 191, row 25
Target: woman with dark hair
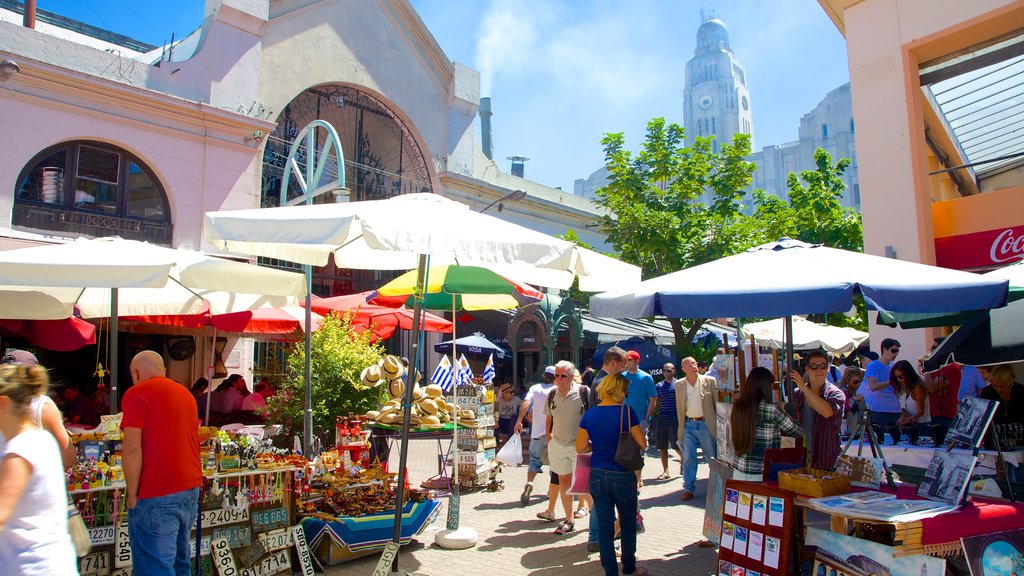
column 757, row 424
column 198, row 391
column 613, row 488
column 913, row 397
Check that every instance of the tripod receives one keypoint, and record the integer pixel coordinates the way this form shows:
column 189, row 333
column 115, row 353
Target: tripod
column 864, row 424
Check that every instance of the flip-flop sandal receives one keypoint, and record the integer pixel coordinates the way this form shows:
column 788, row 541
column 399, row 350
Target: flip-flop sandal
column 546, row 516
column 565, row 528
column 663, row 476
column 582, row 513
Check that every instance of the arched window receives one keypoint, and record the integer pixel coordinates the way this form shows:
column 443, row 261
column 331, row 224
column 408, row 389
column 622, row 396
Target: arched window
column 92, row 188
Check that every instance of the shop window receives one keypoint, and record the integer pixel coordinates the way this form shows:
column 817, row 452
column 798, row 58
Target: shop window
column 94, row 189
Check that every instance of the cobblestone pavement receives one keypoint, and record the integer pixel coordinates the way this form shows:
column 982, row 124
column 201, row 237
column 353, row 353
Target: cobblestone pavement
column 514, row 542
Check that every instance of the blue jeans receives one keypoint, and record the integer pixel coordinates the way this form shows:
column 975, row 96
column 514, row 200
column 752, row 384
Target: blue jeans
column 615, row 490
column 536, row 448
column 159, row 529
column 886, row 422
column 694, row 432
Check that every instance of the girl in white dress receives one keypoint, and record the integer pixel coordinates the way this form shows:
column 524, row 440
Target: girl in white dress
column 34, row 536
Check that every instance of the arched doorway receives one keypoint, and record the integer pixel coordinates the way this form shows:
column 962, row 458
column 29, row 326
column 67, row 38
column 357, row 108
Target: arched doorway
column 382, row 160
column 526, row 338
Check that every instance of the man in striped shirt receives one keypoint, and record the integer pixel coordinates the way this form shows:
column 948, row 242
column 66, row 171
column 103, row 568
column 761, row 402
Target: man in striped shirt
column 666, row 427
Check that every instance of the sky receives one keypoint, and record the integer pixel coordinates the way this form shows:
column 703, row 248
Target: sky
column 563, row 73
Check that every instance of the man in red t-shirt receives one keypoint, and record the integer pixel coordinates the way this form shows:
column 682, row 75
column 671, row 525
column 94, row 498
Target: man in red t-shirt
column 943, row 387
column 162, row 470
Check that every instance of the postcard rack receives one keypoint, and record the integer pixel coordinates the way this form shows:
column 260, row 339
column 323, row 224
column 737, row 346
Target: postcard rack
column 758, row 529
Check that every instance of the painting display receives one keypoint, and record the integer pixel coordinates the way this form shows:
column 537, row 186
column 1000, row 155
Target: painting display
column 832, row 553
column 998, row 554
column 720, row 472
column 973, row 416
column 725, row 371
column 864, row 472
column 947, row 476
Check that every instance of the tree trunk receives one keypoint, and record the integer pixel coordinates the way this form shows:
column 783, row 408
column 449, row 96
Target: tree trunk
column 685, row 334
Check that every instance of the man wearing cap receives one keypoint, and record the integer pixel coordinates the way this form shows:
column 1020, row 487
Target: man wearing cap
column 641, row 395
column 696, row 398
column 534, row 402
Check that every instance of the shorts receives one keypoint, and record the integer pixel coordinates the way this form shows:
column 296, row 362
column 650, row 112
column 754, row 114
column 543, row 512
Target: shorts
column 536, row 447
column 666, row 430
column 562, row 457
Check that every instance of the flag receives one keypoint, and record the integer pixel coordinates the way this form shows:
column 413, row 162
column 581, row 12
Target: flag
column 442, row 375
column 489, row 370
column 464, row 374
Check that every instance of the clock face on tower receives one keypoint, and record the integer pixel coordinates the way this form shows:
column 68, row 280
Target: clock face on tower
column 705, row 102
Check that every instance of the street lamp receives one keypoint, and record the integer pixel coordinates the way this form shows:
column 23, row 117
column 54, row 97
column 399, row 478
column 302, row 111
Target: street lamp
column 514, row 195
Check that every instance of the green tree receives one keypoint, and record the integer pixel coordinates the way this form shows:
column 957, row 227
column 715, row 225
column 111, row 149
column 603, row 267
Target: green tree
column 671, row 206
column 338, row 357
column 818, row 216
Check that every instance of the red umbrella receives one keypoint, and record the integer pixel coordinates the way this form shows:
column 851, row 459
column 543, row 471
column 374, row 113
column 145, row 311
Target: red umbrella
column 60, row 335
column 383, row 318
column 285, row 320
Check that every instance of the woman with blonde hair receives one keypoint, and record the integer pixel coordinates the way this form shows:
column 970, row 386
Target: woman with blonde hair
column 1008, row 393
column 34, row 537
column 613, row 487
column 757, row 424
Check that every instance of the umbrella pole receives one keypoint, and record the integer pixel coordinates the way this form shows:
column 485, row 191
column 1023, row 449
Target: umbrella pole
column 307, row 419
column 789, row 357
column 210, row 369
column 407, row 397
column 112, row 366
column 453, row 496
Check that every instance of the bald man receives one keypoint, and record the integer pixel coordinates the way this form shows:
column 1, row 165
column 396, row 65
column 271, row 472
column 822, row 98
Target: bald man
column 162, row 470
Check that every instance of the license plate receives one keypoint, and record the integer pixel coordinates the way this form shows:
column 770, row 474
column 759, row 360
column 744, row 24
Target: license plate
column 276, row 540
column 224, row 516
column 97, row 564
column 237, row 536
column 269, row 519
column 204, row 547
column 102, row 535
column 277, row 562
column 223, row 559
column 122, row 546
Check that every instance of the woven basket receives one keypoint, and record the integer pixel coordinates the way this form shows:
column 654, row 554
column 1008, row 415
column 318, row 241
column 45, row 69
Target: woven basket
column 814, row 483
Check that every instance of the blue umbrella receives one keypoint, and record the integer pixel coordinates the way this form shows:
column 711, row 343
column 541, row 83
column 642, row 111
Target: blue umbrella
column 476, row 344
column 652, row 356
column 789, row 277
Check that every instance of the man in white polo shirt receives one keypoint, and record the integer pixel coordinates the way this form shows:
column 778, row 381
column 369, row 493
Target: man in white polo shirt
column 535, row 398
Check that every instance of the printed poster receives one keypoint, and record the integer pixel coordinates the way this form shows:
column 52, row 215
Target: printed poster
column 728, row 534
column 755, row 545
column 776, row 509
column 732, row 498
column 724, row 568
column 743, row 507
column 739, row 545
column 759, row 510
column 772, row 550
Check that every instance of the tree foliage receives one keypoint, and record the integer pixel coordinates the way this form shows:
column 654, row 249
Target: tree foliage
column 338, row 356
column 672, row 206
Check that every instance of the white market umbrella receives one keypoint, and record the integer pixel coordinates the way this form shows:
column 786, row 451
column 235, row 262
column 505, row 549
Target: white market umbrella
column 836, row 340
column 154, row 279
column 390, row 234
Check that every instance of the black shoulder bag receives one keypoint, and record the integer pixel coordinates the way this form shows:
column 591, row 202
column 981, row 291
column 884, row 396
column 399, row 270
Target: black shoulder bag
column 628, row 453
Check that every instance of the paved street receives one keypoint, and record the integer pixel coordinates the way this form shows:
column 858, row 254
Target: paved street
column 514, row 542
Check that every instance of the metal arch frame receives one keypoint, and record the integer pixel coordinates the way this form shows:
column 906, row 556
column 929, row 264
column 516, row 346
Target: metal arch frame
column 314, row 170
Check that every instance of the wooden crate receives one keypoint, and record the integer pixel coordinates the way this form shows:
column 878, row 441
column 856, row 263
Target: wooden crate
column 814, row 483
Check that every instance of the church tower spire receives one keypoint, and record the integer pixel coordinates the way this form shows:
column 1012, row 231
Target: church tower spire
column 716, row 98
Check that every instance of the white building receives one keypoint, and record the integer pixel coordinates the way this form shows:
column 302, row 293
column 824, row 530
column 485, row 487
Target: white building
column 716, row 101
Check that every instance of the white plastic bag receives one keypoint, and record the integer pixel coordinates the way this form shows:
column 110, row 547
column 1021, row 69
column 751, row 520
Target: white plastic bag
column 511, row 453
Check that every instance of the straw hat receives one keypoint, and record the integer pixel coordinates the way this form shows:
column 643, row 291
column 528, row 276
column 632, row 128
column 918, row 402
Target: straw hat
column 434, row 391
column 370, row 376
column 392, row 367
column 396, row 387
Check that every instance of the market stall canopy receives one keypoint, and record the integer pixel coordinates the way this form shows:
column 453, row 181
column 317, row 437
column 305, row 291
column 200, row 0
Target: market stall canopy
column 385, row 320
column 806, row 335
column 790, row 277
column 280, row 321
column 188, row 282
column 60, row 335
column 1015, row 274
column 462, row 288
column 475, row 344
column 389, row 234
column 989, row 337
column 652, row 356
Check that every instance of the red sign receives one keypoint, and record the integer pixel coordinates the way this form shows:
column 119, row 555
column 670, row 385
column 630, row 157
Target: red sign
column 981, row 249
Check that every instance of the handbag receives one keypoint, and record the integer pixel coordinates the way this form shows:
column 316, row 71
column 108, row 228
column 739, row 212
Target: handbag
column 79, row 534
column 628, row 453
column 581, row 476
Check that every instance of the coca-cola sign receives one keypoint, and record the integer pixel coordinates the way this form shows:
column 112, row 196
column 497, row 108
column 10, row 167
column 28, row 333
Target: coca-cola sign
column 981, row 249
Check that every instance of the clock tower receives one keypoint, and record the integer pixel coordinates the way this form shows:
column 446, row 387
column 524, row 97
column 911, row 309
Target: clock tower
column 716, row 99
